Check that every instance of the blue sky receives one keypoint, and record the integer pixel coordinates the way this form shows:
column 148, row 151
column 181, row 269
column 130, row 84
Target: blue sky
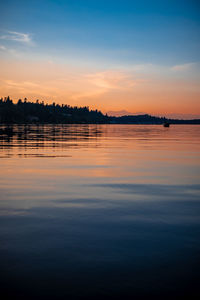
column 132, row 31
column 104, row 35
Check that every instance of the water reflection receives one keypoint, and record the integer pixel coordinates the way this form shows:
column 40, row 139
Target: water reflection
column 45, row 136
column 99, row 211
column 52, row 132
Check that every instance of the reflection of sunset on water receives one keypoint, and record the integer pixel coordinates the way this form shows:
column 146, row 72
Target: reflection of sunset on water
column 59, row 157
column 93, row 204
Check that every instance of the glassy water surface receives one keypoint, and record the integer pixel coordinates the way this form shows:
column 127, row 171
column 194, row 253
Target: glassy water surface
column 99, row 211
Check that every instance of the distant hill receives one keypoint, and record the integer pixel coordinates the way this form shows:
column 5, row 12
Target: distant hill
column 39, row 112
column 120, row 113
column 148, row 119
column 176, row 116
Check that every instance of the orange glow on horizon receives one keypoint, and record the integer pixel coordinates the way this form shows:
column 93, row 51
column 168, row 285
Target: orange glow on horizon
column 107, row 90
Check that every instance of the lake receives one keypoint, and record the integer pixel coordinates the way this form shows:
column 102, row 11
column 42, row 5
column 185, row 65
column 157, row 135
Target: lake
column 99, row 211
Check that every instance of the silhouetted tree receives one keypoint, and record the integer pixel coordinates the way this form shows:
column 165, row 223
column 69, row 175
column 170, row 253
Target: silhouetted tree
column 30, row 112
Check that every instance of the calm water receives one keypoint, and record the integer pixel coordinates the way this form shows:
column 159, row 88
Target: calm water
column 99, row 211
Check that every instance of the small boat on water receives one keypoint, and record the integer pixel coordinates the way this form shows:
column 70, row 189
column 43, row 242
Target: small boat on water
column 166, row 124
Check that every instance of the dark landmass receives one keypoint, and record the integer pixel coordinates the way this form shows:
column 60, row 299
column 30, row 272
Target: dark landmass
column 25, row 112
column 31, row 112
column 148, row 119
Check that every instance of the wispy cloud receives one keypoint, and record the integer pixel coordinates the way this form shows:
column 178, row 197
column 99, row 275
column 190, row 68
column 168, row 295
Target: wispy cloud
column 10, row 51
column 2, row 48
column 111, row 80
column 22, row 84
column 17, row 37
column 183, row 67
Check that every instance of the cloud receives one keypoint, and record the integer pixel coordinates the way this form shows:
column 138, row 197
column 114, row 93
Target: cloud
column 3, row 48
column 51, row 80
column 111, row 80
column 22, row 84
column 17, row 36
column 10, row 51
column 183, row 67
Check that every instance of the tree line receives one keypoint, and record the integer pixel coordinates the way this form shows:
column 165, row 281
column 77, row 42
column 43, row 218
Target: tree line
column 26, row 112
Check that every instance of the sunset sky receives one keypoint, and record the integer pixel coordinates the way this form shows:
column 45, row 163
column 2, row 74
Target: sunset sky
column 113, row 55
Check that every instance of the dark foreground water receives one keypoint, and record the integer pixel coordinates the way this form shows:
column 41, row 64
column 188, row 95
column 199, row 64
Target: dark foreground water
column 99, row 212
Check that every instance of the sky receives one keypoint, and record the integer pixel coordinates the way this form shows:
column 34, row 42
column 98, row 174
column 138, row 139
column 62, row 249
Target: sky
column 121, row 56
